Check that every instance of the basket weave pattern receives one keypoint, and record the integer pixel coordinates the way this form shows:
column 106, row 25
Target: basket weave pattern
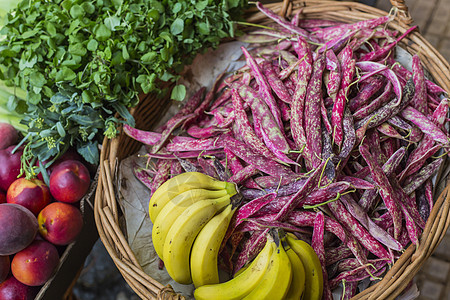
column 151, row 108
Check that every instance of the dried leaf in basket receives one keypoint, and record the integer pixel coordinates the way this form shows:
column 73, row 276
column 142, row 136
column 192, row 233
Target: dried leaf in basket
column 133, row 200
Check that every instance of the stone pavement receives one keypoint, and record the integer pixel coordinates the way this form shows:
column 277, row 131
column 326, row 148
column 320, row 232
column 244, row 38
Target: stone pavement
column 100, row 279
column 433, row 19
column 434, row 278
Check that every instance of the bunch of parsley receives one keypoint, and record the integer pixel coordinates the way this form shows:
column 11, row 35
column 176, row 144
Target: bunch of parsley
column 82, row 61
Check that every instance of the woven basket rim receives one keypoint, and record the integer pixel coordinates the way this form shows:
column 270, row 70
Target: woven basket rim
column 405, row 268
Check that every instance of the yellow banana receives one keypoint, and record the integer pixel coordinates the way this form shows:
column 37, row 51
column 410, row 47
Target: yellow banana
column 206, row 247
column 241, row 285
column 277, row 279
column 181, row 183
column 174, row 208
column 313, row 269
column 298, row 275
column 181, row 235
column 241, row 270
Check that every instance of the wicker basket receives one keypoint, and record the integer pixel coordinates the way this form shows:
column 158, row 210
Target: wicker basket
column 151, row 108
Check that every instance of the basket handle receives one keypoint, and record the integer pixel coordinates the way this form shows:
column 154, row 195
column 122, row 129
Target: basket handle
column 403, row 12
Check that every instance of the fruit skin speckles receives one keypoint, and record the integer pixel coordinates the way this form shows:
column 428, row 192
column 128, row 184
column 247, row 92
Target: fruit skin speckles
column 60, row 223
column 35, row 264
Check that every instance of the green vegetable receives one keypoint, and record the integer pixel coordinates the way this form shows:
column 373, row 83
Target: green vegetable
column 5, row 6
column 10, row 106
column 81, row 62
column 9, row 97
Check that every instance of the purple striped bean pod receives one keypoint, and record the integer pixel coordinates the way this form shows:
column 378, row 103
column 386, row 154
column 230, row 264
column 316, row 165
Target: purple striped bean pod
column 282, row 22
column 349, row 140
column 298, row 100
column 339, row 253
column 142, row 175
column 318, row 246
column 419, row 101
column 385, row 112
column 251, row 207
column 357, row 230
column 193, row 144
column 380, row 53
column 375, row 104
column 264, row 88
column 251, row 248
column 427, row 126
column 312, row 115
column 275, row 83
column 385, row 189
column 162, row 174
column 372, row 85
column 334, row 31
column 262, row 163
column 377, row 232
column 412, row 182
column 337, row 115
column 245, row 129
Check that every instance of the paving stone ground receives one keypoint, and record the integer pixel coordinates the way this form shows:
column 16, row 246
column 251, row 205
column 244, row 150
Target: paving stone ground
column 101, row 280
column 434, row 278
column 433, row 19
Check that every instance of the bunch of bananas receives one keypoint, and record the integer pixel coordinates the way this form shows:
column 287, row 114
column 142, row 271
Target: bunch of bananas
column 286, row 268
column 190, row 214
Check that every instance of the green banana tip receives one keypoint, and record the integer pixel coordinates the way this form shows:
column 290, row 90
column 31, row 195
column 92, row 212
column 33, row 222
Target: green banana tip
column 232, row 188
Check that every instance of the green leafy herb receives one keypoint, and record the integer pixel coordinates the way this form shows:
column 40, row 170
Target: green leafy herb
column 178, row 92
column 82, row 61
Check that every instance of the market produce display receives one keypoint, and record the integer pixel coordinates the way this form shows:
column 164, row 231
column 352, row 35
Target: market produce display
column 73, row 65
column 35, row 227
column 326, row 136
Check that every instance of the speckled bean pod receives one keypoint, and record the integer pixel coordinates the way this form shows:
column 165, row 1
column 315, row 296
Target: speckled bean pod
column 412, row 182
column 385, row 189
column 312, row 115
column 371, row 86
column 428, row 127
column 375, row 104
column 262, row 163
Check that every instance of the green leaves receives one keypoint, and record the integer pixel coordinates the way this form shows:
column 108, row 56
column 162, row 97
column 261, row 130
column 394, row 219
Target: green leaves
column 178, row 92
column 201, row 5
column 89, row 151
column 77, row 49
column 147, row 82
column 67, row 123
column 76, row 11
column 102, row 33
column 148, row 57
column 112, row 22
column 92, row 45
column 177, row 26
column 81, row 62
column 65, row 74
column 37, row 79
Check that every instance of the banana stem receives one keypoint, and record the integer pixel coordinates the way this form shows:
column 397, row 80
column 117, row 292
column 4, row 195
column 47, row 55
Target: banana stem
column 236, row 200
